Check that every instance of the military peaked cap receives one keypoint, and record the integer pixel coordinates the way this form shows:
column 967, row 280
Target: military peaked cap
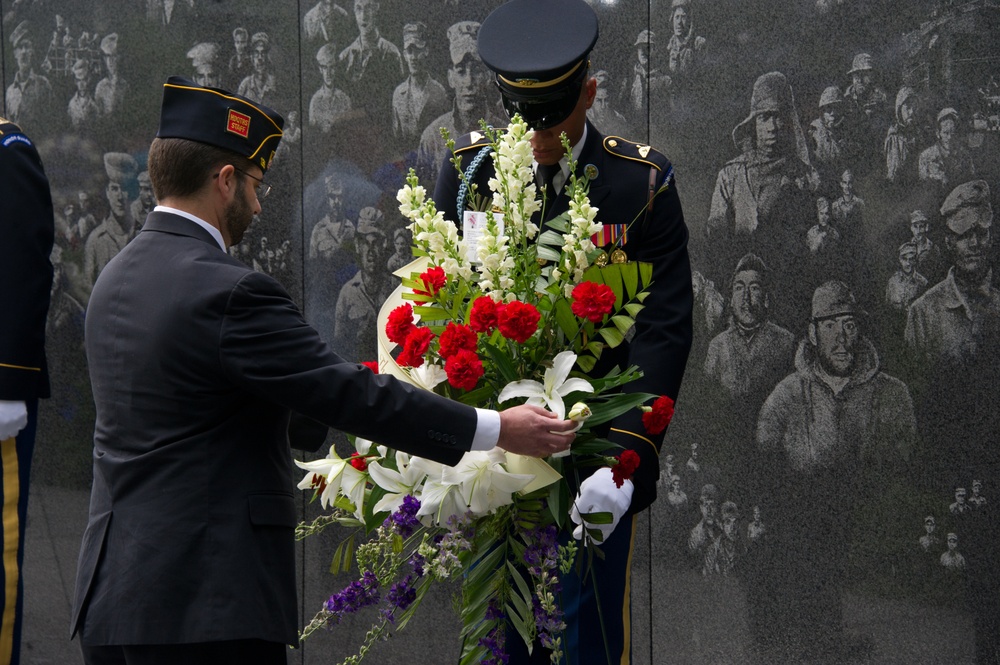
column 539, row 51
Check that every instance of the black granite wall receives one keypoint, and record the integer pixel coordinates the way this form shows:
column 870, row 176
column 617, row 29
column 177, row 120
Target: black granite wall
column 798, row 516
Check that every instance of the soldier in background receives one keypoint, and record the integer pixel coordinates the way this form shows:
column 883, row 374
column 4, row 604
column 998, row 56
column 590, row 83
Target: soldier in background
column 836, row 434
column 420, row 98
column 325, row 22
column 611, row 122
column 470, row 81
column 29, row 96
column 240, row 66
column 146, row 201
column 362, row 296
column 763, row 199
column 828, row 133
column 117, row 229
column 947, row 163
column 111, row 90
column 204, row 58
column 83, row 110
column 902, row 141
column 642, row 84
column 329, row 103
column 371, row 65
column 260, row 85
column 906, row 284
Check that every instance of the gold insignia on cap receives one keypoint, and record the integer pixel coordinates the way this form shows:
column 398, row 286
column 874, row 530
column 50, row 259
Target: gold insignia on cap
column 475, row 137
column 528, row 83
column 613, row 143
column 644, row 150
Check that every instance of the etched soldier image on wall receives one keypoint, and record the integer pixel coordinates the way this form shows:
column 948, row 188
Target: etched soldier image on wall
column 827, row 151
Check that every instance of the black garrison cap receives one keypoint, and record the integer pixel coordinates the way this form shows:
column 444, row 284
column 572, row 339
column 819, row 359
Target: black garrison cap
column 220, row 118
column 539, row 52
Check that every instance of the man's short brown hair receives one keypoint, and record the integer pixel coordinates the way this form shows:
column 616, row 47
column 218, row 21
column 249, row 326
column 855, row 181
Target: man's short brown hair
column 180, row 168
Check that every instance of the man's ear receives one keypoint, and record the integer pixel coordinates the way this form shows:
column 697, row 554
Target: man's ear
column 226, row 183
column 590, row 90
column 812, row 334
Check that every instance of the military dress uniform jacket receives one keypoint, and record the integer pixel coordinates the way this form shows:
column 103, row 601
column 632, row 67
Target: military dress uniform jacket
column 195, row 362
column 27, row 231
column 619, row 187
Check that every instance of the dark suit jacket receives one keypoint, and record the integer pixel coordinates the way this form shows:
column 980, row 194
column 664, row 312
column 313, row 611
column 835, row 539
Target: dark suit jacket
column 196, row 362
column 619, row 187
column 26, row 234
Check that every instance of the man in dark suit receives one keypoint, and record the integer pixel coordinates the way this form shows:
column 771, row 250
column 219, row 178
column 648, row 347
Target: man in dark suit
column 26, row 235
column 196, row 362
column 633, row 187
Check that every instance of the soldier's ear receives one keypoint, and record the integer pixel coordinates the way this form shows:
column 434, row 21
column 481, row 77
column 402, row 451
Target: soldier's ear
column 812, row 334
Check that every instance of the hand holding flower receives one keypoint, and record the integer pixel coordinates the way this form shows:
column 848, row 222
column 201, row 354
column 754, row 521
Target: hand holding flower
column 533, row 431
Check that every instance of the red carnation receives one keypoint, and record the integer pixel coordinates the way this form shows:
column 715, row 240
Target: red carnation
column 400, row 324
column 372, row 365
column 434, row 279
column 359, row 462
column 464, row 369
column 518, row 321
column 657, row 417
column 592, row 301
column 628, row 462
column 415, row 347
column 483, row 317
column 455, row 338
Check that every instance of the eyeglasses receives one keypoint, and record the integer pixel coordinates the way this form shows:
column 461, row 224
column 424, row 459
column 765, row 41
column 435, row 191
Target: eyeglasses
column 262, row 190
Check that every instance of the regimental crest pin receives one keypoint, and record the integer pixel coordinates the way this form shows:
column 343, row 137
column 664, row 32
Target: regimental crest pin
column 644, row 150
column 591, row 172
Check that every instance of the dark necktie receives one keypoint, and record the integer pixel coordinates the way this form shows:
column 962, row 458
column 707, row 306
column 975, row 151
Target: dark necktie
column 544, row 176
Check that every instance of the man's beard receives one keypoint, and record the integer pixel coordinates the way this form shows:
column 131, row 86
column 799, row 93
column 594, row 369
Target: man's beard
column 239, row 216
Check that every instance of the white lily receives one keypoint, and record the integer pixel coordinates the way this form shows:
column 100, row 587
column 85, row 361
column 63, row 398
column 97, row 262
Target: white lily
column 397, row 484
column 484, row 483
column 439, row 499
column 340, row 478
column 428, row 375
column 553, row 388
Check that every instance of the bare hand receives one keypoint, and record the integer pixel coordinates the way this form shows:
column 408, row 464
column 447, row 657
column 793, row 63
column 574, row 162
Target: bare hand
column 533, row 431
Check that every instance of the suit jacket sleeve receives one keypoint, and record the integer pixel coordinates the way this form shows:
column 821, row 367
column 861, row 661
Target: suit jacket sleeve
column 26, row 234
column 270, row 351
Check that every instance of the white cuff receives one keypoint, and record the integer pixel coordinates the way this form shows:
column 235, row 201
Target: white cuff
column 487, row 430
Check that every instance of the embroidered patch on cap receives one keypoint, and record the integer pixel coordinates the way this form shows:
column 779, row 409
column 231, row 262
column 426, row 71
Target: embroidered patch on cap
column 239, row 123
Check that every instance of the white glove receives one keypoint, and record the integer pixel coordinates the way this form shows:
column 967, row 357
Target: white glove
column 599, row 494
column 13, row 418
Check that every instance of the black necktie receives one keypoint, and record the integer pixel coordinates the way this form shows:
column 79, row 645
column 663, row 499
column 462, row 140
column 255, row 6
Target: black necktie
column 544, row 176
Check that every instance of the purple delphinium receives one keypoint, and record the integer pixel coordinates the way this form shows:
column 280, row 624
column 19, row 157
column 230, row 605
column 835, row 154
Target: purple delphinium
column 354, row 596
column 542, row 553
column 404, row 520
column 541, row 557
column 494, row 641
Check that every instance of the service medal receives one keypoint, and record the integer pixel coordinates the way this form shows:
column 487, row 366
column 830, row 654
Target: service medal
column 619, row 256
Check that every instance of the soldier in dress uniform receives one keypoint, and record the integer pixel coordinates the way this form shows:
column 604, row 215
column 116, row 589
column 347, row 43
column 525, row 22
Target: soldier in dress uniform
column 633, row 187
column 26, row 231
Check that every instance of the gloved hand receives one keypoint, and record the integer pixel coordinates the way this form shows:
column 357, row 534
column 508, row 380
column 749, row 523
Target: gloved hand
column 13, row 418
column 599, row 494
